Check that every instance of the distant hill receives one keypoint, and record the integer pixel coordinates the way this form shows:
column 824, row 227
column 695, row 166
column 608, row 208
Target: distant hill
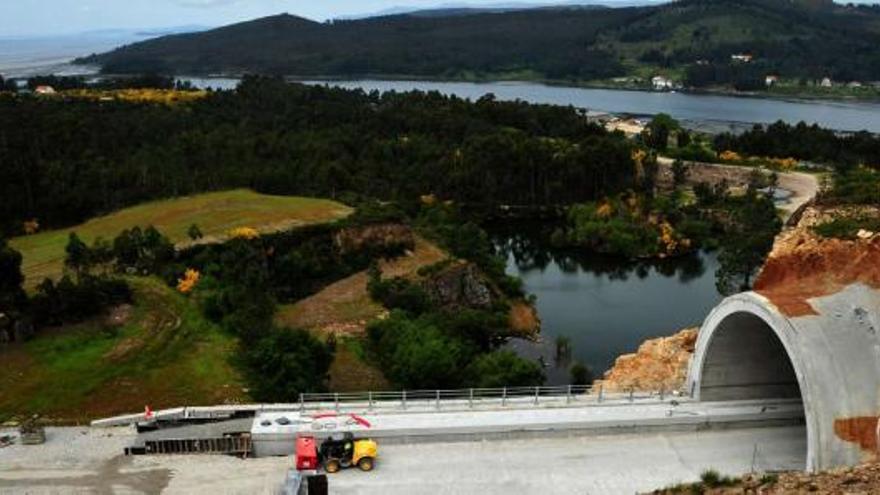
column 691, row 39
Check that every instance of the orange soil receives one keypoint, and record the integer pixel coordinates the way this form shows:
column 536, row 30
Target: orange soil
column 803, row 266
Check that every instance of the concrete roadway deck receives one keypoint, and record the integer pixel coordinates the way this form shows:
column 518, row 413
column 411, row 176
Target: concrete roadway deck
column 620, row 464
column 77, row 460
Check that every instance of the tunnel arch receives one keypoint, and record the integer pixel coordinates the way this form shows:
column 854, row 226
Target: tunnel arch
column 834, row 356
column 745, row 351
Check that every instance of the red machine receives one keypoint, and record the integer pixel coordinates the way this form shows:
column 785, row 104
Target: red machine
column 306, row 454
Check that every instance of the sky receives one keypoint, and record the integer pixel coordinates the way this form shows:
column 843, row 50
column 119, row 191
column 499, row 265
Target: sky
column 56, row 17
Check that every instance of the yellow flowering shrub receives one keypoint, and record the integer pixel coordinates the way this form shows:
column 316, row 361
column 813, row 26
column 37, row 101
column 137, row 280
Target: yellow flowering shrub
column 730, row 156
column 189, row 281
column 244, row 233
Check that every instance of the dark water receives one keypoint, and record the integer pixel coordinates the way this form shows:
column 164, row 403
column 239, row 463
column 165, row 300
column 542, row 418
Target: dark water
column 715, row 113
column 709, row 113
column 607, row 306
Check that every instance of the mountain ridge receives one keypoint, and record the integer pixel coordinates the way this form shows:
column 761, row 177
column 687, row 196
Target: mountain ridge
column 793, row 38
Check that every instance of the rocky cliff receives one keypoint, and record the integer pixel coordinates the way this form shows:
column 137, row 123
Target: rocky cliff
column 384, row 237
column 660, row 363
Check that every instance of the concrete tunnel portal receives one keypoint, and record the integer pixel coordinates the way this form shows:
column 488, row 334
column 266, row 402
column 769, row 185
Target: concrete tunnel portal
column 748, row 349
column 746, row 360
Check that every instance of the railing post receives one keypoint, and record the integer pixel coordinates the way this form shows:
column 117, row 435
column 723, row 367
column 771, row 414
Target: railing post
column 601, row 392
column 504, row 397
column 438, row 399
column 632, row 392
column 404, row 399
column 370, row 398
column 537, row 393
column 568, row 395
column 302, row 403
column 336, row 400
column 471, row 399
column 662, row 393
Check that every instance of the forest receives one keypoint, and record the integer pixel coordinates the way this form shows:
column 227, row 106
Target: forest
column 805, row 142
column 796, row 40
column 67, row 159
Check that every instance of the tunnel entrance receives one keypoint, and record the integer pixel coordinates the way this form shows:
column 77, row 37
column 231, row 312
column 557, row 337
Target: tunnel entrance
column 746, row 360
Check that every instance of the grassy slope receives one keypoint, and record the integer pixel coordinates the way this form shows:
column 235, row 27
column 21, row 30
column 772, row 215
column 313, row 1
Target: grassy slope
column 344, row 309
column 163, row 353
column 214, row 213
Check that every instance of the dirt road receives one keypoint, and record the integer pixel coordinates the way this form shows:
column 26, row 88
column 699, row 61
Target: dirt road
column 802, row 186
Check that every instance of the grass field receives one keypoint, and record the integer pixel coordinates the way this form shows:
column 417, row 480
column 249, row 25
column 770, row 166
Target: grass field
column 159, row 352
column 214, row 213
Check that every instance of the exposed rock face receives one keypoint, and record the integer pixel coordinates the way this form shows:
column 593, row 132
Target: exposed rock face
column 660, row 363
column 383, row 237
column 804, row 265
column 460, row 285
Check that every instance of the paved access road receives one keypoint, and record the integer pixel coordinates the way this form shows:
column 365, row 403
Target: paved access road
column 618, row 464
column 88, row 461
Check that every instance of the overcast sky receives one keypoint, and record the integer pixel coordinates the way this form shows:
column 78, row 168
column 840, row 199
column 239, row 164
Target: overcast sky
column 43, row 17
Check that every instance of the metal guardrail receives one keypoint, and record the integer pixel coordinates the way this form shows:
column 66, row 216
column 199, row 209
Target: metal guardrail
column 408, row 400
column 472, row 398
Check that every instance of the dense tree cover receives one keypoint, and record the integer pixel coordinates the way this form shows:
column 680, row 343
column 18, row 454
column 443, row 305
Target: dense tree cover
column 504, row 369
column 140, row 81
column 426, row 345
column 795, row 39
column 13, row 300
column 72, row 300
column 430, row 352
column 67, row 160
column 750, row 223
column 804, row 142
column 555, row 43
column 286, row 363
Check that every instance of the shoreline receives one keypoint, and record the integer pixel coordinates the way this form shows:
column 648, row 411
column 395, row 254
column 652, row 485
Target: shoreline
column 804, row 97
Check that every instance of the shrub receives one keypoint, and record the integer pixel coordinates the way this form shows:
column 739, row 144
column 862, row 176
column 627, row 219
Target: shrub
column 847, row 227
column 71, row 302
column 286, row 363
column 580, row 374
column 416, row 354
column 399, row 293
column 504, row 369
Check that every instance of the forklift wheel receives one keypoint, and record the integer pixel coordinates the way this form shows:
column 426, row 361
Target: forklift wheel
column 366, row 464
column 332, row 466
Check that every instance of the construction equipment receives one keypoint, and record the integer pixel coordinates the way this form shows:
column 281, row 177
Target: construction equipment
column 336, row 453
column 348, row 452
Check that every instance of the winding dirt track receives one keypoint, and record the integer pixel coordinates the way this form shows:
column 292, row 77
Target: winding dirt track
column 804, row 187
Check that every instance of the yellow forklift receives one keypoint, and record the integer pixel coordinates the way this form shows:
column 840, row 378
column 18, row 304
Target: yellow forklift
column 348, row 452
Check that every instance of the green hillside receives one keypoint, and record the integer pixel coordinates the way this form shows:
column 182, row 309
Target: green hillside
column 214, row 213
column 159, row 352
column 796, row 39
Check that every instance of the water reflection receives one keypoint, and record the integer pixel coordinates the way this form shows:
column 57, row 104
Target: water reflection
column 605, row 306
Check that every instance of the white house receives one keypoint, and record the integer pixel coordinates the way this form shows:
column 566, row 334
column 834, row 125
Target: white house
column 741, row 57
column 826, row 83
column 661, row 83
column 45, row 90
column 771, row 80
